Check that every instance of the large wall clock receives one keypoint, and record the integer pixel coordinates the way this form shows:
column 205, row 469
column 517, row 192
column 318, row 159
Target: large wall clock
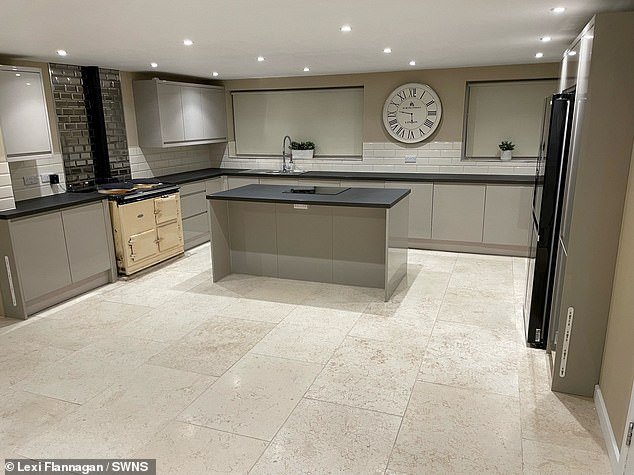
column 412, row 112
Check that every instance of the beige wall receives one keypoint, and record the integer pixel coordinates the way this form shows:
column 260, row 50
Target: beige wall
column 617, row 370
column 449, row 84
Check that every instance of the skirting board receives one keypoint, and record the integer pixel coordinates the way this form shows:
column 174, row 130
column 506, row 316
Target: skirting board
column 606, row 428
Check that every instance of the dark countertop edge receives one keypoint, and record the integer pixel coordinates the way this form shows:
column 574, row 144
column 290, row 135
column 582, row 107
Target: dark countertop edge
column 50, row 203
column 317, row 202
column 205, row 174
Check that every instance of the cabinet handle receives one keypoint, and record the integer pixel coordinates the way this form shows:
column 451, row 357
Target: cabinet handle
column 10, row 277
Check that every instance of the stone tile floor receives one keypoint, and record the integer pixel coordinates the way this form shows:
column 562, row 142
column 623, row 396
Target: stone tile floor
column 270, row 376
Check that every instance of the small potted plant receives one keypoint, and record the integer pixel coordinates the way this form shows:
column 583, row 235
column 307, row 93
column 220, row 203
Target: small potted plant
column 506, row 149
column 302, row 149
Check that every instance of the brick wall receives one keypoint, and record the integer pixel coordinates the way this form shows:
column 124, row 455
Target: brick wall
column 76, row 118
column 72, row 122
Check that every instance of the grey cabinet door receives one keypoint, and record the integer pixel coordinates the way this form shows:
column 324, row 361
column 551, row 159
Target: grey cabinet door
column 214, row 114
column 171, row 112
column 420, row 207
column 215, row 185
column 458, row 212
column 507, row 214
column 85, row 229
column 23, row 115
column 237, row 182
column 40, row 254
column 192, row 113
column 363, row 184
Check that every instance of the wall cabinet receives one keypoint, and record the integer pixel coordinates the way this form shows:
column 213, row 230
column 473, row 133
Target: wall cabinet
column 23, row 114
column 171, row 114
column 507, row 214
column 420, row 207
column 458, row 212
column 54, row 256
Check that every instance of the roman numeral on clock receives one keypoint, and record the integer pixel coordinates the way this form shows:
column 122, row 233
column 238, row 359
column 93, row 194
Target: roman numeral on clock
column 429, row 103
column 410, row 134
column 431, row 112
column 401, row 95
column 412, row 92
column 428, row 123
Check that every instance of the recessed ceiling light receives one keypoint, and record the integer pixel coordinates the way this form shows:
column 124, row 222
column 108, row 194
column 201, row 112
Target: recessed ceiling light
column 260, row 58
column 188, row 42
column 154, row 65
column 387, row 50
column 28, row 83
column 572, row 53
column 545, row 39
column 346, row 28
column 539, row 55
column 306, row 69
column 412, row 63
column 17, row 75
column 62, row 52
column 214, row 74
column 558, row 10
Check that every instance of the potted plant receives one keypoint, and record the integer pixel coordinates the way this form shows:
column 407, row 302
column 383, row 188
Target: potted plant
column 506, row 148
column 302, row 149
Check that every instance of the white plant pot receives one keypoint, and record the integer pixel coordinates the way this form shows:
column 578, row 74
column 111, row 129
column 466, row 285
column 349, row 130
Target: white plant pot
column 302, row 154
column 506, row 155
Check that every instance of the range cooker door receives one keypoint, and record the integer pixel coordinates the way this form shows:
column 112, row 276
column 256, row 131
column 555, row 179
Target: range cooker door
column 169, row 236
column 142, row 245
column 166, row 208
column 137, row 217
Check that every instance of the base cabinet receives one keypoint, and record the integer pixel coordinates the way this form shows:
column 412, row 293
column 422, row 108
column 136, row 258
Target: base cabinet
column 507, row 214
column 54, row 256
column 458, row 212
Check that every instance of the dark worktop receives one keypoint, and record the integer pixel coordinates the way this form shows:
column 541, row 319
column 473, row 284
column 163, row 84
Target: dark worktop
column 357, row 197
column 207, row 173
column 50, row 203
column 64, row 200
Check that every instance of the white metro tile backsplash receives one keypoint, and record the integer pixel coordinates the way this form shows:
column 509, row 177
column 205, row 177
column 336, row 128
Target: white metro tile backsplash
column 43, row 166
column 6, row 191
column 152, row 162
column 432, row 157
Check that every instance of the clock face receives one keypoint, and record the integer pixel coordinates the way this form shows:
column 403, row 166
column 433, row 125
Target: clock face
column 412, row 112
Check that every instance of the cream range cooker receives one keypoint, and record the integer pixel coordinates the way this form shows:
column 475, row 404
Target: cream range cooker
column 147, row 226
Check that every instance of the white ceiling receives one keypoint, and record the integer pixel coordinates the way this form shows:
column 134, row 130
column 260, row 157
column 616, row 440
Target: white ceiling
column 229, row 35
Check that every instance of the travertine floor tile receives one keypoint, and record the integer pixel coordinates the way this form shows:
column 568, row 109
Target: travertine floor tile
column 213, row 347
column 454, row 430
column 471, row 357
column 258, row 310
column 188, row 449
column 469, row 306
column 369, row 374
column 321, row 437
column 550, row 459
column 253, row 398
column 122, row 419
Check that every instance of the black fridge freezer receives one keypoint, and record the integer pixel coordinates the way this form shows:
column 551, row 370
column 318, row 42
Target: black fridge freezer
column 548, row 195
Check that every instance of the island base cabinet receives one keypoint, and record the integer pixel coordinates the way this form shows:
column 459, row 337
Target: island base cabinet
column 51, row 257
column 458, row 213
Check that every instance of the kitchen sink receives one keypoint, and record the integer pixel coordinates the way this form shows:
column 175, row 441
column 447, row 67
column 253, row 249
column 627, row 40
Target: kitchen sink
column 273, row 172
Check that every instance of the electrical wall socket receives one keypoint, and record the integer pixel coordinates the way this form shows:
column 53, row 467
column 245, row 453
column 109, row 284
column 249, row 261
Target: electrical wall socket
column 31, row 180
column 410, row 158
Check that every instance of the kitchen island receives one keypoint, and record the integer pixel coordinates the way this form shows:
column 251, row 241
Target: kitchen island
column 351, row 236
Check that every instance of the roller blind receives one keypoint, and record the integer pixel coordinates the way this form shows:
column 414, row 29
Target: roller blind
column 331, row 118
column 508, row 110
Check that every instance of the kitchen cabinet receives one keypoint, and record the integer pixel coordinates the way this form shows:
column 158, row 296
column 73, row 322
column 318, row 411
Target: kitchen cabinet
column 279, row 181
column 23, row 114
column 53, row 256
column 86, row 241
column 363, row 184
column 171, row 114
column 507, row 214
column 458, row 212
column 194, row 209
column 238, row 181
column 420, row 207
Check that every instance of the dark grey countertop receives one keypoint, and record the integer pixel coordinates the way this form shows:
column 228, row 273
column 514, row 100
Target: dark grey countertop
column 64, row 200
column 207, row 173
column 357, row 197
column 50, row 203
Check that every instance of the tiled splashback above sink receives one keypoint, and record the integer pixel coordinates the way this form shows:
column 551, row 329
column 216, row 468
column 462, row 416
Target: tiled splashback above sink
column 433, row 157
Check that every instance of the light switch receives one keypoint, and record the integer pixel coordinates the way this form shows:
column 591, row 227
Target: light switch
column 410, row 158
column 31, row 180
